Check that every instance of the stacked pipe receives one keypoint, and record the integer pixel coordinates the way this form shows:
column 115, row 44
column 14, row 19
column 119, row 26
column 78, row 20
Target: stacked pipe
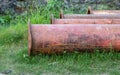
column 75, row 32
column 90, row 11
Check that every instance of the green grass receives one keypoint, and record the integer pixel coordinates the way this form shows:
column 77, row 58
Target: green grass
column 14, row 57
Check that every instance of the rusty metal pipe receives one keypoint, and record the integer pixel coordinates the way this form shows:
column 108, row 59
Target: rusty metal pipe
column 90, row 11
column 88, row 16
column 47, row 38
column 106, row 12
column 85, row 21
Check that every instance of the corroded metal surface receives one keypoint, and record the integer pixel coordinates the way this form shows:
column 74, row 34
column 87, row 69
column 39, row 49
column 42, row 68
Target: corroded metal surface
column 90, row 16
column 85, row 21
column 90, row 11
column 106, row 12
column 73, row 37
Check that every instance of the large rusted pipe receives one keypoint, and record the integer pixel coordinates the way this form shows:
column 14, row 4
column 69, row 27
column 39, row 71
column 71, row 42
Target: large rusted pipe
column 47, row 38
column 85, row 21
column 90, row 11
column 89, row 16
column 106, row 12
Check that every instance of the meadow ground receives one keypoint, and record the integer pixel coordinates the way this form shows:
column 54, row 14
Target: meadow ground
column 15, row 61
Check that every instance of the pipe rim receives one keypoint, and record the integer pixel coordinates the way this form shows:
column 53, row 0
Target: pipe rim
column 89, row 10
column 52, row 19
column 61, row 14
column 29, row 39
